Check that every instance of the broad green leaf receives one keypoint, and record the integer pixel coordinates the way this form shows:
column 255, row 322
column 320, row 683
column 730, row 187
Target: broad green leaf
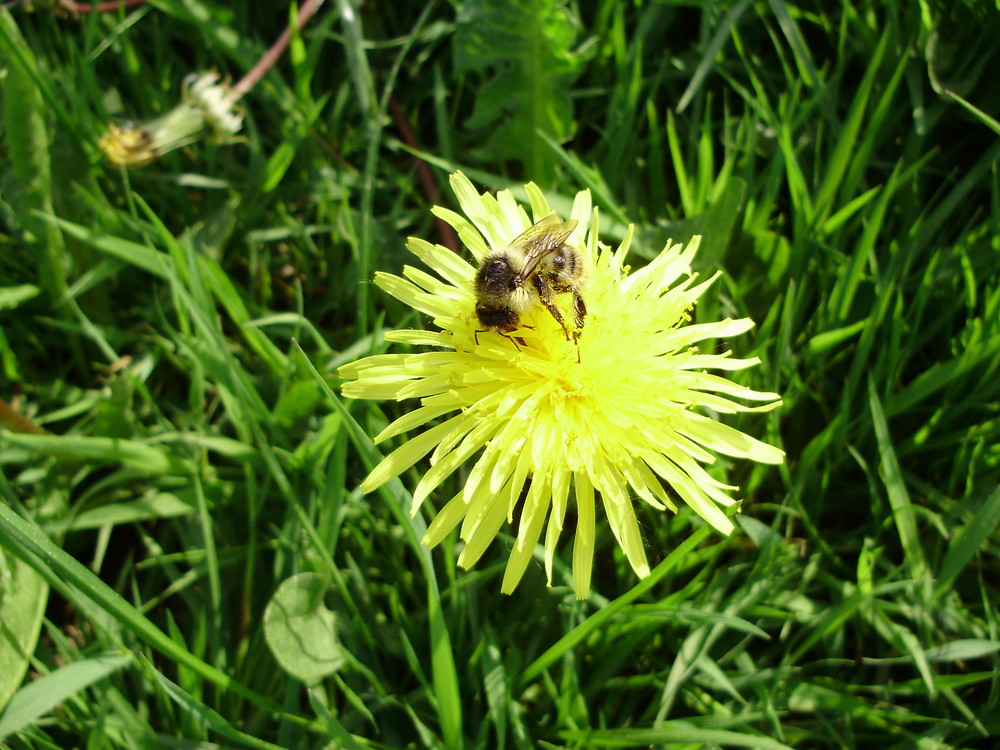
column 300, row 631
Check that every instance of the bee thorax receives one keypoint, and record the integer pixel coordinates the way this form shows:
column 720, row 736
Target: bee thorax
column 496, row 275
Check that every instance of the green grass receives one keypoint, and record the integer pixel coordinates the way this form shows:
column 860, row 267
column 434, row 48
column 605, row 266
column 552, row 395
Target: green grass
column 191, row 507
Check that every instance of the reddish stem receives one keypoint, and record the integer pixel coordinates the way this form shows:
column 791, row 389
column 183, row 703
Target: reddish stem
column 309, row 7
column 448, row 237
column 105, row 7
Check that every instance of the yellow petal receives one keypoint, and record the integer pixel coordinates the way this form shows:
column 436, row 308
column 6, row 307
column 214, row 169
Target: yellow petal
column 535, row 507
column 583, row 545
column 408, row 454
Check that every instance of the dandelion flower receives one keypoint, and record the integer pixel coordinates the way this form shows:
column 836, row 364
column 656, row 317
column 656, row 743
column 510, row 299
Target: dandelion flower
column 207, row 110
column 545, row 421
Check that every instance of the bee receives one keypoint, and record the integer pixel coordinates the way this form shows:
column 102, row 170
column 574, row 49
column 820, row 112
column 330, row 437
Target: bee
column 534, row 267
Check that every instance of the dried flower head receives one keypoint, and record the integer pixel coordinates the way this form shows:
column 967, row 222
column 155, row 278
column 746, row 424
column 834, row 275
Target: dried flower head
column 210, row 95
column 609, row 414
column 207, row 111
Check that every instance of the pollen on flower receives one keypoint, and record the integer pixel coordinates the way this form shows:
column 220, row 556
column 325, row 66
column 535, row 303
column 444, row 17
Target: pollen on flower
column 551, row 416
column 127, row 146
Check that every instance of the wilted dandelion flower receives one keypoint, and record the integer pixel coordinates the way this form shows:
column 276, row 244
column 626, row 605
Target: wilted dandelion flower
column 207, row 110
column 546, row 421
column 212, row 96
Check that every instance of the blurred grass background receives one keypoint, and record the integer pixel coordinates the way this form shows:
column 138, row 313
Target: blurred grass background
column 185, row 559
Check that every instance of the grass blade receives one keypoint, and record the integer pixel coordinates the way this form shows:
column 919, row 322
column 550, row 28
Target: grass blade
column 899, row 498
column 41, row 696
column 969, row 539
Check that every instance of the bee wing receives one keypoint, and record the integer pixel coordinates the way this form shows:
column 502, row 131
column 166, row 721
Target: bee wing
column 541, row 239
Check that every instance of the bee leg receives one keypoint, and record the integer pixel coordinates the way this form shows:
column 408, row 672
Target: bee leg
column 551, row 307
column 579, row 308
column 512, row 339
column 475, row 335
column 576, row 341
column 579, row 313
column 545, row 296
column 520, row 339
